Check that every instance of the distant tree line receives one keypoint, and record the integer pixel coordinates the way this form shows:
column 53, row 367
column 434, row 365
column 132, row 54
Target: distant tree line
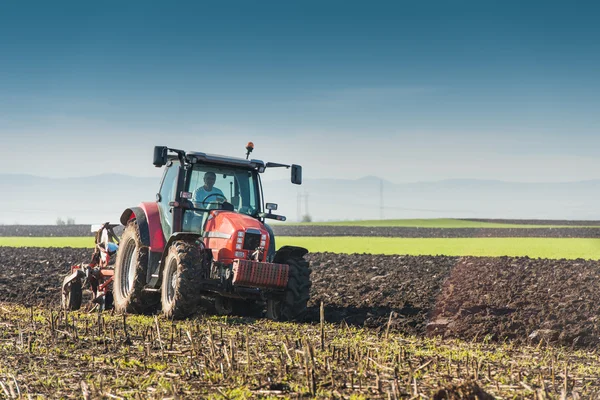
column 69, row 221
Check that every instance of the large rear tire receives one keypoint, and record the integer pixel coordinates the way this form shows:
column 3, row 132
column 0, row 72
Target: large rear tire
column 131, row 269
column 293, row 305
column 181, row 280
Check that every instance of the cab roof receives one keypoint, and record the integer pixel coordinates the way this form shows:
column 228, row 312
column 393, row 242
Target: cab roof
column 196, row 157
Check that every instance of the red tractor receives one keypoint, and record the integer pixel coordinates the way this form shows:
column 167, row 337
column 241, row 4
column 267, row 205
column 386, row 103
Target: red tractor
column 204, row 238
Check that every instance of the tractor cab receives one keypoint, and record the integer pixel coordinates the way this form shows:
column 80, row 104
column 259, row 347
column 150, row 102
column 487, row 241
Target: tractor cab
column 220, row 199
column 194, row 184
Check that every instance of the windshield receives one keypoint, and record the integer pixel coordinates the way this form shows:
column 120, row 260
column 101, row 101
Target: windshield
column 212, row 186
column 220, row 188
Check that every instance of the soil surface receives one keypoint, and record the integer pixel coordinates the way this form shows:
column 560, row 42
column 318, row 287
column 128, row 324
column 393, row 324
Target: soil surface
column 408, row 232
column 303, row 230
column 506, row 298
column 467, row 390
column 535, row 221
column 32, row 275
column 46, row 230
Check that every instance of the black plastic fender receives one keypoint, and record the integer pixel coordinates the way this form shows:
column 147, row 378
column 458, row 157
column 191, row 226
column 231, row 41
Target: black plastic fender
column 287, row 252
column 271, row 250
column 142, row 222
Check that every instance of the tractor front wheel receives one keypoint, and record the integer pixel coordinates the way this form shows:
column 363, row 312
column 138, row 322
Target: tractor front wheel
column 130, row 274
column 293, row 304
column 180, row 290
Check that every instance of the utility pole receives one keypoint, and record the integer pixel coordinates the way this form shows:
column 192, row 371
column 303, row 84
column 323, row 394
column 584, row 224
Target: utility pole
column 306, row 203
column 381, row 199
column 299, row 198
column 299, row 207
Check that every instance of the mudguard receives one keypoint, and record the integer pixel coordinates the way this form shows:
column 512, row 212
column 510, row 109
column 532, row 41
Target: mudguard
column 148, row 220
column 287, row 252
column 271, row 250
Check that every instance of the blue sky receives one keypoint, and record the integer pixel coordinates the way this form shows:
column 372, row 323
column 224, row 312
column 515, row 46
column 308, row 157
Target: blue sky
column 406, row 91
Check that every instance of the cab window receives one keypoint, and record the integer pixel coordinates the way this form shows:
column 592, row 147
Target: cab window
column 167, row 194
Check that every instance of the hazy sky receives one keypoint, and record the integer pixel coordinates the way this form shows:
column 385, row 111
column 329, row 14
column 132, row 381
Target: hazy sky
column 405, row 90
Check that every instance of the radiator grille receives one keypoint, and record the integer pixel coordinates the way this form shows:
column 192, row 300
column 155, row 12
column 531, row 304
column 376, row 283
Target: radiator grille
column 251, row 241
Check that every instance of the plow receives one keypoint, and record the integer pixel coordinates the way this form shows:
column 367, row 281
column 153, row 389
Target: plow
column 205, row 237
column 95, row 276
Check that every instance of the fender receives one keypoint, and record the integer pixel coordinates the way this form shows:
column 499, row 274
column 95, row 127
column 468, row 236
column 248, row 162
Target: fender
column 148, row 218
column 287, row 252
column 271, row 249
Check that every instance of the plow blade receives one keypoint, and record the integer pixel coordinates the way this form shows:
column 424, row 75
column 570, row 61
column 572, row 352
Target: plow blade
column 71, row 292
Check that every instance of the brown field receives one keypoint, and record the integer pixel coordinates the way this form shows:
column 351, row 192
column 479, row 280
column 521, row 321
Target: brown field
column 591, row 231
column 513, row 326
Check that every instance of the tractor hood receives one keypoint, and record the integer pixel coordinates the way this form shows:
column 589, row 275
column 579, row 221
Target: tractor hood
column 231, row 235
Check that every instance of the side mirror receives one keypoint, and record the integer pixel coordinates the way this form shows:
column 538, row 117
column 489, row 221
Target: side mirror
column 271, row 206
column 296, row 174
column 160, row 156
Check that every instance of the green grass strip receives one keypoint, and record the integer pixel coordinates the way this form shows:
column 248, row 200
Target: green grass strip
column 79, row 242
column 433, row 223
column 533, row 247
column 493, row 247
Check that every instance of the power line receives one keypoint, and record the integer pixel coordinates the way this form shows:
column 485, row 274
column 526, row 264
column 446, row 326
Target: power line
column 306, row 203
column 299, row 198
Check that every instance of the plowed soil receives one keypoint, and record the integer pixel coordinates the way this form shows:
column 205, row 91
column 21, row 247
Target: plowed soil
column 520, row 299
column 31, row 276
column 305, row 230
column 407, row 232
column 536, row 221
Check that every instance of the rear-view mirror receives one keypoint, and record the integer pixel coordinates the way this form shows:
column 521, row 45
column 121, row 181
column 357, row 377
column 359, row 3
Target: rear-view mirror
column 160, row 156
column 296, row 174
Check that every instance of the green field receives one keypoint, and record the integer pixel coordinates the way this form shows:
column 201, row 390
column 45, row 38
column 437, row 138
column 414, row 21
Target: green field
column 532, row 247
column 79, row 242
column 433, row 223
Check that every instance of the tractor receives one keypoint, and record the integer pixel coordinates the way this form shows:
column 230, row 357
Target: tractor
column 205, row 238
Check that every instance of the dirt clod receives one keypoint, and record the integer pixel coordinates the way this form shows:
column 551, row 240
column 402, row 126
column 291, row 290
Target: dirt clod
column 467, row 390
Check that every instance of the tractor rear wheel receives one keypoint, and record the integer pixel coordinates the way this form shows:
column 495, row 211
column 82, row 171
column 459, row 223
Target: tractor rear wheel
column 130, row 274
column 293, row 304
column 181, row 280
column 71, row 299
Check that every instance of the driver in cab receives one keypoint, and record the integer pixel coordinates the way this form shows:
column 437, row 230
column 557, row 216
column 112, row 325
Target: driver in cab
column 208, row 193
